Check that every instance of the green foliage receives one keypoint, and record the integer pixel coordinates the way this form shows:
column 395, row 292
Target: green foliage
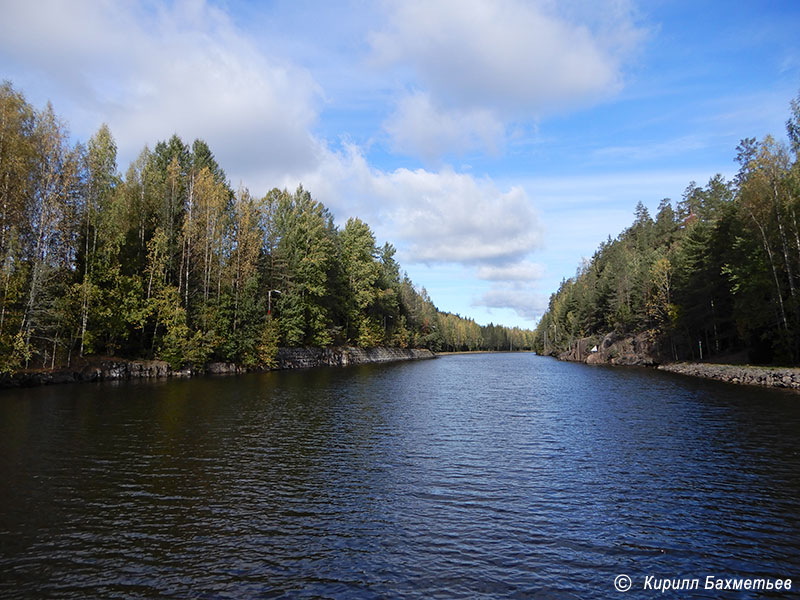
column 14, row 352
column 267, row 348
column 361, row 269
column 180, row 346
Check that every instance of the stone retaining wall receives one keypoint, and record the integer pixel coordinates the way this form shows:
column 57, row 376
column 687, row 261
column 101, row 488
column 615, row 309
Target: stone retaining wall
column 288, row 358
column 765, row 376
column 304, row 358
column 96, row 370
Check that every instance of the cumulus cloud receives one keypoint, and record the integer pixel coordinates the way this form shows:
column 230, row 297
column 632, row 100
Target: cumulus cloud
column 153, row 70
column 514, row 55
column 453, row 217
column 420, row 128
column 523, row 300
column 505, row 59
column 515, row 286
column 523, row 271
column 440, row 216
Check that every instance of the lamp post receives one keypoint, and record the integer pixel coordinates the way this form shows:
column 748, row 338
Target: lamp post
column 269, row 300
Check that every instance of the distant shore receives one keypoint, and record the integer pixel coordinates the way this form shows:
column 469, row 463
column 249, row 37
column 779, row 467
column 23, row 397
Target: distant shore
column 479, row 352
column 778, row 377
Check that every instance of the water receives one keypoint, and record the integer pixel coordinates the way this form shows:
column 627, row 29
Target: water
column 491, row 475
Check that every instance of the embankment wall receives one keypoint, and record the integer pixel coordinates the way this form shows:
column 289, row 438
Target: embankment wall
column 750, row 375
column 288, row 358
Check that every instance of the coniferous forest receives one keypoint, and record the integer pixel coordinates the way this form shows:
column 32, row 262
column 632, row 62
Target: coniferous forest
column 168, row 261
column 717, row 273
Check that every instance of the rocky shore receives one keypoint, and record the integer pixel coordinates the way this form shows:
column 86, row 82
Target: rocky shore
column 780, row 377
column 107, row 369
column 614, row 349
column 641, row 350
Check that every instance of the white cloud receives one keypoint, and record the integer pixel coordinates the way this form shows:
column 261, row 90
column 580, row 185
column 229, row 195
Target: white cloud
column 452, row 217
column 514, row 286
column 526, row 302
column 420, row 128
column 153, row 70
column 484, row 64
column 523, row 271
column 439, row 216
column 515, row 56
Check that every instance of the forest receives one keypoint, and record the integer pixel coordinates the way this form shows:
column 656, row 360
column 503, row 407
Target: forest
column 714, row 274
column 168, row 261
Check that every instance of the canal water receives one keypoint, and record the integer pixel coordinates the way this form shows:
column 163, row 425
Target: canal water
column 468, row 476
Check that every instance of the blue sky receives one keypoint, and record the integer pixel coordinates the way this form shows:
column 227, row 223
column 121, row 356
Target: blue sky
column 495, row 143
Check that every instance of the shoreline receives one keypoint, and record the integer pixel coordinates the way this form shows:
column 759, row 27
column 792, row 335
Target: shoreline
column 774, row 377
column 641, row 350
column 455, row 352
column 787, row 378
column 119, row 369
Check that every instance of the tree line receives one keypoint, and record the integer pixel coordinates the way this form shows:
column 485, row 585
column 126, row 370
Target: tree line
column 169, row 262
column 717, row 272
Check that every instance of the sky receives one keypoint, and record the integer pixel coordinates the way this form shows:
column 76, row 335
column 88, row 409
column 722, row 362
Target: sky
column 495, row 143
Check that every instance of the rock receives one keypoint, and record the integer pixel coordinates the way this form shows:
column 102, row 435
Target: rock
column 580, row 350
column 609, row 340
column 223, row 368
column 596, row 359
column 614, row 349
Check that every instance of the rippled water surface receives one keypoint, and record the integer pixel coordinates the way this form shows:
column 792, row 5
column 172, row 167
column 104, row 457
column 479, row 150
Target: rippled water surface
column 489, row 475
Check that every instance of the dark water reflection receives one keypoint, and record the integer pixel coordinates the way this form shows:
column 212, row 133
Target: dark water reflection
column 497, row 476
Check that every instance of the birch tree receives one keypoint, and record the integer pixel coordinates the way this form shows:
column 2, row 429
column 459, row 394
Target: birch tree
column 51, row 217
